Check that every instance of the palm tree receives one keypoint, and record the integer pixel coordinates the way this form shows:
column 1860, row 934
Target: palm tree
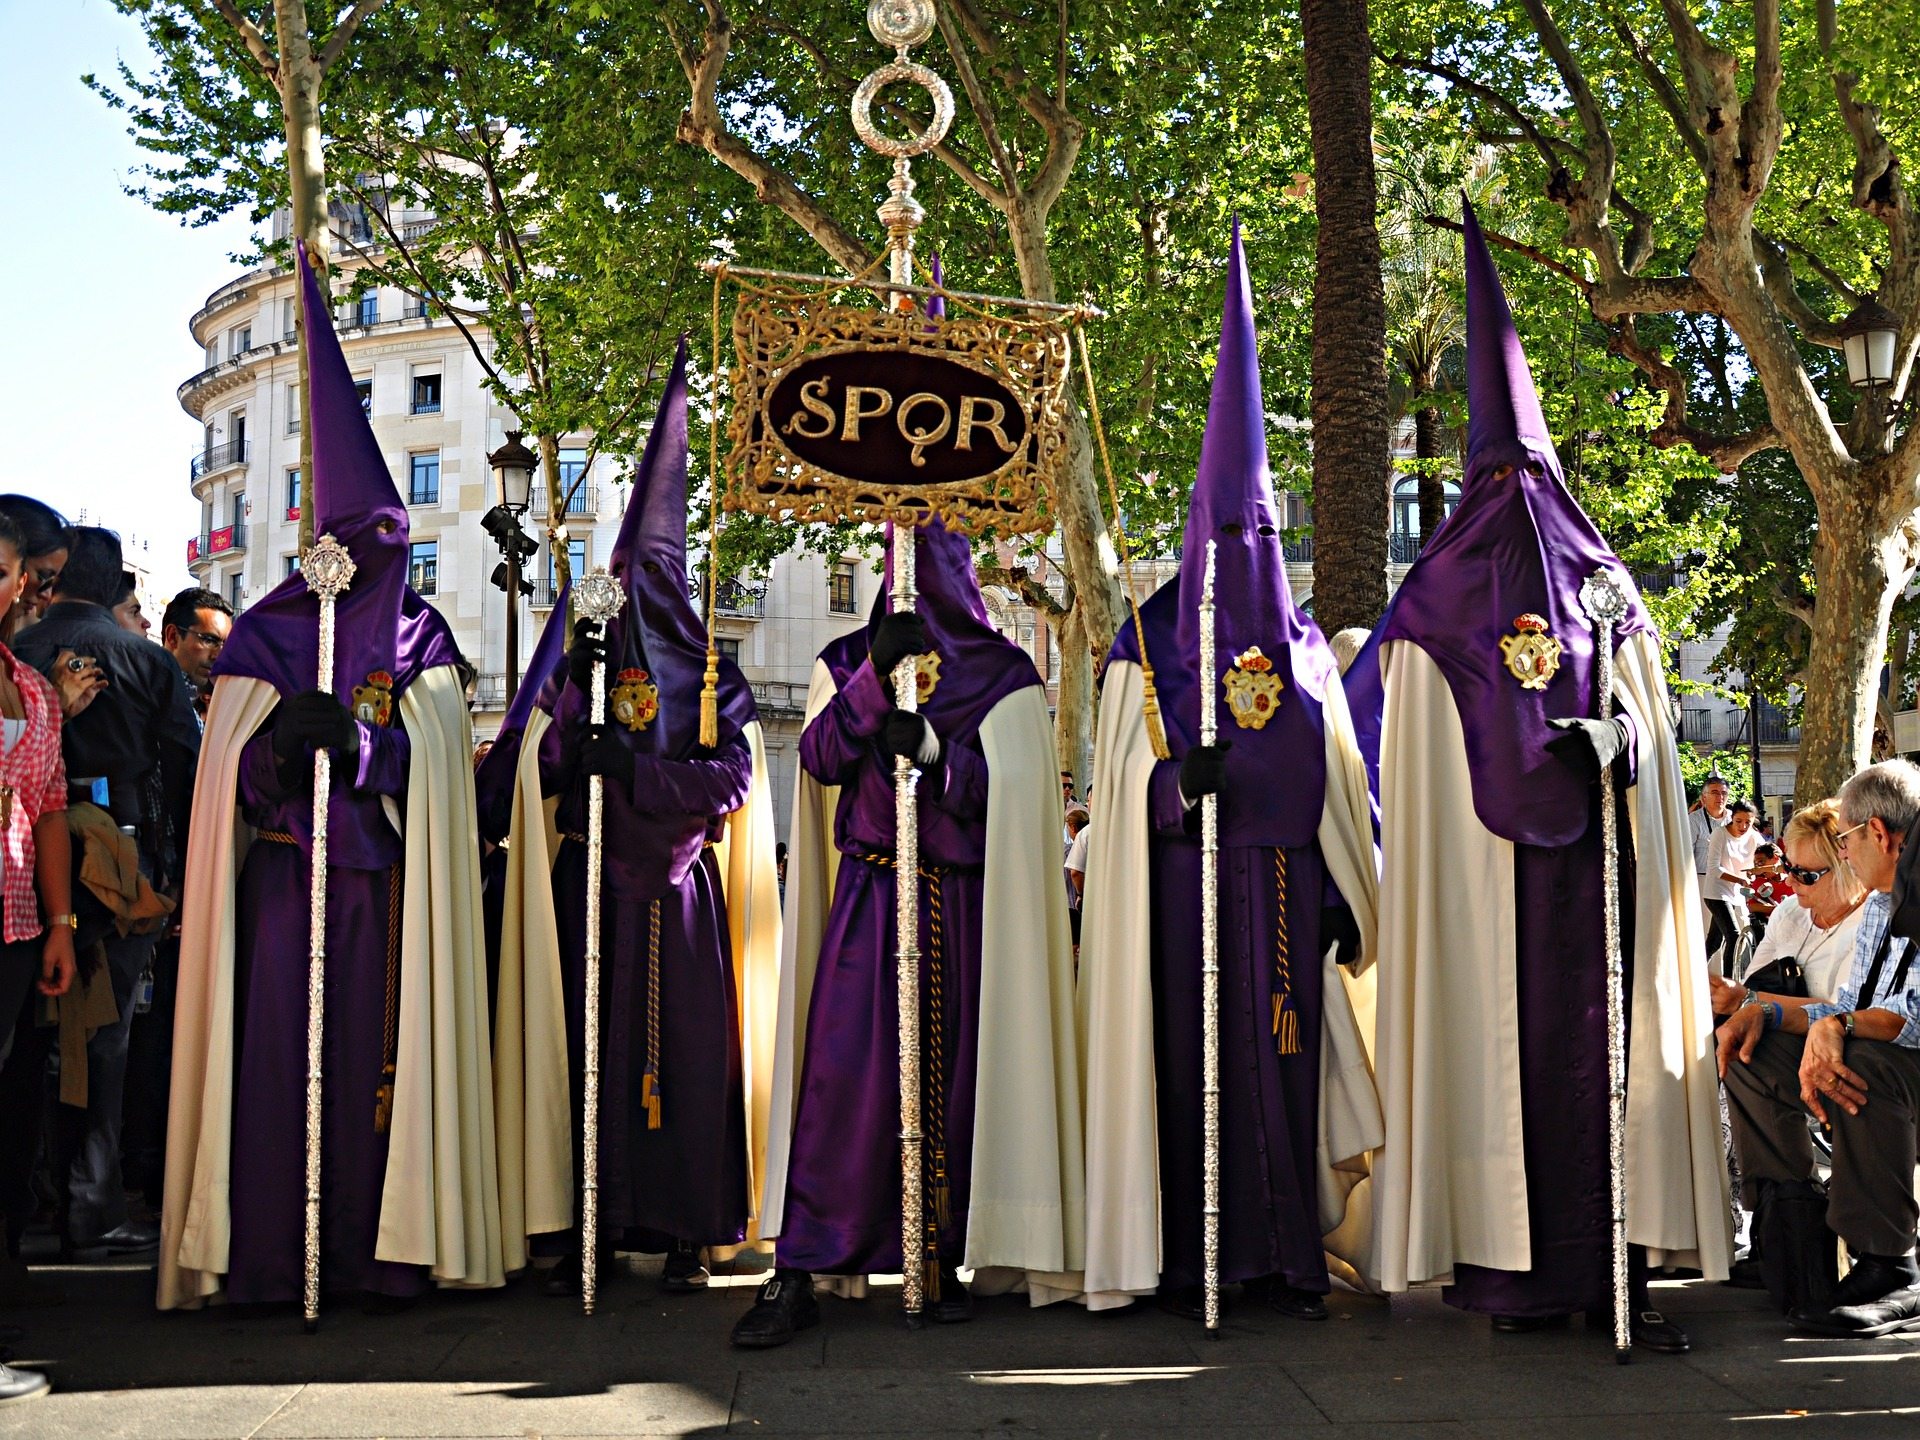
column 1351, row 484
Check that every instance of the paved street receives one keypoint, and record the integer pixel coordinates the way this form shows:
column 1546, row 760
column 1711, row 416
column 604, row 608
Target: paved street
column 523, row 1365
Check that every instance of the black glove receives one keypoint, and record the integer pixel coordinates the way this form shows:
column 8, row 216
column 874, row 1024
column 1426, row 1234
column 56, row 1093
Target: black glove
column 589, row 646
column 911, row 737
column 604, row 753
column 898, row 635
column 1587, row 747
column 312, row 720
column 1203, row 770
column 1337, row 928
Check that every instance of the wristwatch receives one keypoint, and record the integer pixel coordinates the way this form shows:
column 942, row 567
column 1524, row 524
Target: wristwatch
column 69, row 921
column 1846, row 1023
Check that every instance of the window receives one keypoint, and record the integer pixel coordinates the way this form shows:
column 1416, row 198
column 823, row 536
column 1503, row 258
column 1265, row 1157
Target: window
column 293, row 565
column 213, row 353
column 364, row 389
column 236, row 592
column 840, row 597
column 369, row 312
column 293, row 409
column 423, row 566
column 423, row 478
column 293, row 494
column 286, row 320
column 426, row 394
column 237, row 435
column 1406, row 503
column 573, row 464
column 242, row 340
column 729, row 649
column 239, row 512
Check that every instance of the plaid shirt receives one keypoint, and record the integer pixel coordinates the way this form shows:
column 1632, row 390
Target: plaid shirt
column 35, row 776
column 1875, row 915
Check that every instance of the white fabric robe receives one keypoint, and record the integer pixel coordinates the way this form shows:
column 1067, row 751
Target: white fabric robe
column 1116, row 1008
column 1450, row 1182
column 440, row 1205
column 1026, row 1216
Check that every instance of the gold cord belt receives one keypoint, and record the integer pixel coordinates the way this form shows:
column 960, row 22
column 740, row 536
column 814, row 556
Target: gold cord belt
column 1286, row 1016
column 650, row 1078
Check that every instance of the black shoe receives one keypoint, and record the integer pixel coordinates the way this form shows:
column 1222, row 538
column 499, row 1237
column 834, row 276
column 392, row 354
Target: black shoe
column 1188, row 1302
column 1527, row 1324
column 1746, row 1275
column 21, row 1385
column 1296, row 1304
column 1873, row 1277
column 128, row 1239
column 564, row 1276
column 683, row 1273
column 782, row 1308
column 1888, row 1315
column 955, row 1305
column 1653, row 1331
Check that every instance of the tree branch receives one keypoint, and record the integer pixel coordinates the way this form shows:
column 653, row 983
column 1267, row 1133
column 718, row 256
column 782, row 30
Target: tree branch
column 1519, row 247
column 250, row 36
column 982, row 109
column 1725, row 451
column 702, row 124
column 1024, row 583
column 1664, row 90
column 343, row 33
column 1777, row 271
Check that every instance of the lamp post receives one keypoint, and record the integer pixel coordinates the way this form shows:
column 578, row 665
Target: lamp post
column 512, row 466
column 1869, row 337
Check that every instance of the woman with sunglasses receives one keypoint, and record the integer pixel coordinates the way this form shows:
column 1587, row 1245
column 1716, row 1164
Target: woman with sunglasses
column 1816, row 925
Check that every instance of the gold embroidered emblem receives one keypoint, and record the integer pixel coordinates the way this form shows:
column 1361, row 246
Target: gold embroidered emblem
column 635, row 700
column 1253, row 689
column 1532, row 655
column 926, row 675
column 373, row 701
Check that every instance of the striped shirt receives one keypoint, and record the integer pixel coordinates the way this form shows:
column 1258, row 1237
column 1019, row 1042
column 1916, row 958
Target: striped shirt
column 1875, row 915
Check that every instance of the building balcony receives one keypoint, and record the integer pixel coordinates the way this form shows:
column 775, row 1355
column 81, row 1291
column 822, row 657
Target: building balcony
column 490, row 692
column 584, row 500
column 779, row 697
column 545, row 591
column 218, row 457
column 736, row 599
column 227, row 540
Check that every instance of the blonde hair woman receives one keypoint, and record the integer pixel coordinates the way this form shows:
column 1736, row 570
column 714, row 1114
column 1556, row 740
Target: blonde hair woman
column 1815, row 926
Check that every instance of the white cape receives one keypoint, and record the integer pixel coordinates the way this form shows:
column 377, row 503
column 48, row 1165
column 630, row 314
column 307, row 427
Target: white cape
column 532, row 1083
column 1450, row 1183
column 1116, row 1008
column 1026, row 1220
column 440, row 1203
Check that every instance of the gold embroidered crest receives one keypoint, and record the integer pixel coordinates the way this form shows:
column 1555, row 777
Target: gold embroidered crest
column 635, row 700
column 926, row 675
column 1253, row 689
column 373, row 701
column 1532, row 655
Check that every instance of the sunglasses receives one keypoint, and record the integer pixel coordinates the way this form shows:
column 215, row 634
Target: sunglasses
column 1800, row 875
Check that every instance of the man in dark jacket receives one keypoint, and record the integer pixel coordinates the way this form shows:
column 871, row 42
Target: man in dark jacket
column 141, row 738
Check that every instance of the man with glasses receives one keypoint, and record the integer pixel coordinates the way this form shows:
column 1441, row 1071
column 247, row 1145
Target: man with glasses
column 194, row 629
column 1854, row 1065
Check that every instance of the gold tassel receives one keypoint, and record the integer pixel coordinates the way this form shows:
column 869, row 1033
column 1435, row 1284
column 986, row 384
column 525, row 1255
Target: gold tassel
column 942, row 1193
column 383, row 1104
column 1150, row 709
column 710, row 686
column 932, row 1284
column 1286, row 1025
column 710, row 699
column 650, row 1099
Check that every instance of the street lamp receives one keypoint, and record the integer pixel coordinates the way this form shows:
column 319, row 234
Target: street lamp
column 1868, row 337
column 512, row 467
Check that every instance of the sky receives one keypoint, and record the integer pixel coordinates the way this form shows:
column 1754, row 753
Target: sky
column 102, row 289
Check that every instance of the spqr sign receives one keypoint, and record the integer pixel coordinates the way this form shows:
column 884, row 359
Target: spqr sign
column 847, row 413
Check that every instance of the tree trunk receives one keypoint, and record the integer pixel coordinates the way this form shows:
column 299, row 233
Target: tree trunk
column 559, row 561
column 1351, row 486
column 1073, row 741
column 1428, row 450
column 1858, row 570
column 299, row 86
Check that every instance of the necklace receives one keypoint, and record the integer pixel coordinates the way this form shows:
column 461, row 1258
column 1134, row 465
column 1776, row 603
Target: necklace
column 1825, row 932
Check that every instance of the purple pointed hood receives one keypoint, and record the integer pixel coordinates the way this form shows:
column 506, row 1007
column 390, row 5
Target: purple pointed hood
column 1284, row 761
column 546, row 671
column 1517, row 545
column 381, row 626
column 659, row 630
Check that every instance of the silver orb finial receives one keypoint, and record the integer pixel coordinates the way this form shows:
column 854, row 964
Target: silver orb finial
column 1602, row 597
column 599, row 596
column 900, row 24
column 327, row 567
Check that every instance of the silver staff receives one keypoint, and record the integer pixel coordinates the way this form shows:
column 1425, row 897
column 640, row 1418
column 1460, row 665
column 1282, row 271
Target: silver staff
column 1605, row 602
column 598, row 598
column 328, row 570
column 902, row 24
column 1209, row 973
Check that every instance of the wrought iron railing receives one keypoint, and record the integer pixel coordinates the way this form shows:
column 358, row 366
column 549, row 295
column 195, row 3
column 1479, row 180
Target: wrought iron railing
column 219, row 457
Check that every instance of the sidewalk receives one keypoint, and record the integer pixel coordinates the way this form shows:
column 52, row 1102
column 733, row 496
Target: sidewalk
column 520, row 1364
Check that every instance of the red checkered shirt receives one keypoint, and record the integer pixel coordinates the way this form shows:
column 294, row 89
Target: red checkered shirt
column 36, row 774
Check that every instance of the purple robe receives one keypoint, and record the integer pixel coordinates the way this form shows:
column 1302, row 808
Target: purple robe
column 268, row 1182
